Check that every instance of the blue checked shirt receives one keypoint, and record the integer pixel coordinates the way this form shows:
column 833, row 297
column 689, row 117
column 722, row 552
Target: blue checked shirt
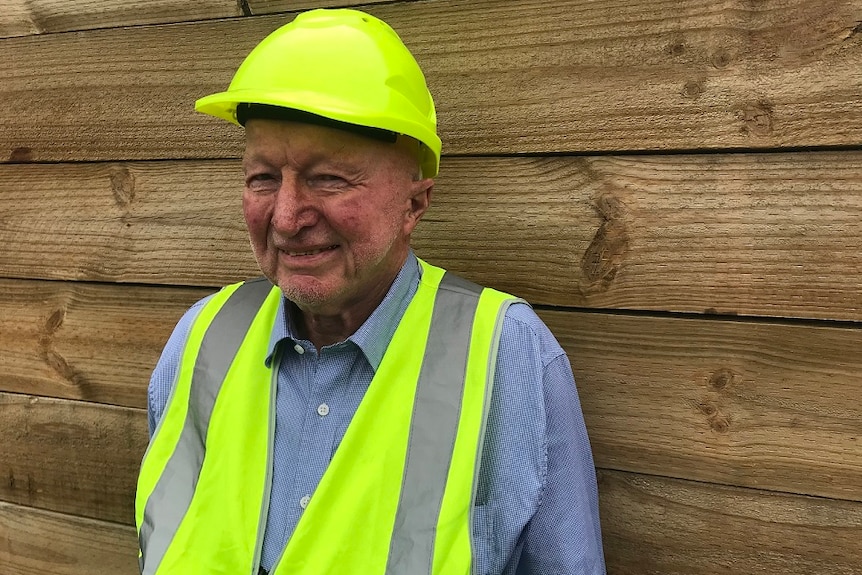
column 536, row 505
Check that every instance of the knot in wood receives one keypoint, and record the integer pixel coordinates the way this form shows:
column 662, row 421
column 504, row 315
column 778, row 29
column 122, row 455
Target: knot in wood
column 122, row 185
column 676, row 48
column 708, row 409
column 21, row 154
column 720, row 423
column 605, row 254
column 715, row 418
column 757, row 118
column 693, row 89
column 52, row 325
column 610, row 207
column 720, row 58
column 55, row 320
column 723, row 378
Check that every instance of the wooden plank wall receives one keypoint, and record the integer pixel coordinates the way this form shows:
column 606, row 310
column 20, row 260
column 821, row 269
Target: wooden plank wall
column 675, row 185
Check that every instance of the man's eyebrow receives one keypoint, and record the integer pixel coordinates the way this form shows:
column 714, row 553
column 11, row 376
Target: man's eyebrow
column 338, row 163
column 255, row 158
column 314, row 161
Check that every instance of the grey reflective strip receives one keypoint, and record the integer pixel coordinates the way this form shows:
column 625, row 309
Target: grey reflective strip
column 172, row 495
column 436, row 413
column 489, row 390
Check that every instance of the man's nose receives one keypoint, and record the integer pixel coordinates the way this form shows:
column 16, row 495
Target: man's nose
column 295, row 208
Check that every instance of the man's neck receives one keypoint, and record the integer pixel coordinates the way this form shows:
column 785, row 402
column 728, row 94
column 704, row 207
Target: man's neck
column 324, row 326
column 323, row 330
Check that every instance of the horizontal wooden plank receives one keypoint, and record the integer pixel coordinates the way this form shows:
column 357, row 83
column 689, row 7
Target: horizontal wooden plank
column 750, row 234
column 650, row 526
column 275, row 6
column 772, row 235
column 657, row 526
column 147, row 217
column 740, row 403
column 513, row 77
column 26, row 17
column 749, row 404
column 35, row 541
column 72, row 457
column 83, row 341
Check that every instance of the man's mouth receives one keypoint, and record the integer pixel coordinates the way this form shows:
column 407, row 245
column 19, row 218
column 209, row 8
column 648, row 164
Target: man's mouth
column 312, row 252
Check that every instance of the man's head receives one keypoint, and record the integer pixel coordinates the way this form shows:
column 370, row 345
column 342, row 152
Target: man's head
column 341, row 146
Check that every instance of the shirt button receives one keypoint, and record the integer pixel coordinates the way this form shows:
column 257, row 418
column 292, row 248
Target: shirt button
column 322, row 410
column 304, row 501
column 299, row 349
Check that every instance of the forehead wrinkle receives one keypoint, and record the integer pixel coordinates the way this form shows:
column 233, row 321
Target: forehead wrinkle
column 277, row 142
column 313, row 144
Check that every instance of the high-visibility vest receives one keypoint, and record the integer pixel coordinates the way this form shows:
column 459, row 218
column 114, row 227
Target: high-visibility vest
column 397, row 497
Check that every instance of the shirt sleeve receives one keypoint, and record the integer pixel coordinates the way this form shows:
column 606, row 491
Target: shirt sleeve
column 564, row 535
column 165, row 372
column 554, row 473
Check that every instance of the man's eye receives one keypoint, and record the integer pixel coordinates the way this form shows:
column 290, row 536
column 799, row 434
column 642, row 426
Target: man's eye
column 257, row 180
column 328, row 179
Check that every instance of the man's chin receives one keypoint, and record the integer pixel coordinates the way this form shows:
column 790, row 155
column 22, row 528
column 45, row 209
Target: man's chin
column 306, row 295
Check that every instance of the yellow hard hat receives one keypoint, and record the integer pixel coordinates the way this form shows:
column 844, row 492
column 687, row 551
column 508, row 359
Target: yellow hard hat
column 342, row 65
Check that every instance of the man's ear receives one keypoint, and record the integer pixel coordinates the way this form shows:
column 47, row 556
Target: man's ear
column 420, row 200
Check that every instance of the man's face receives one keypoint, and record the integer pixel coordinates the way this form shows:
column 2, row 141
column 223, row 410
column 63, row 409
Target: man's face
column 330, row 213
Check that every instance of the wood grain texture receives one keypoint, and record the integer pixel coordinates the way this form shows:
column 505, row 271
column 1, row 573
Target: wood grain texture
column 659, row 526
column 740, row 403
column 275, row 6
column 26, row 17
column 748, row 234
column 770, row 235
column 513, row 77
column 82, row 341
column 651, row 526
column 165, row 221
column 749, row 404
column 34, row 542
column 72, row 457
column 725, row 445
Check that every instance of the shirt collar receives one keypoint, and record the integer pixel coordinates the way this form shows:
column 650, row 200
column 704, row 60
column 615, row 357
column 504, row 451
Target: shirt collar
column 373, row 336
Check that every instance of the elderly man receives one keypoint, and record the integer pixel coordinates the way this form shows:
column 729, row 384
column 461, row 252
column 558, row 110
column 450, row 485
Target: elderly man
column 358, row 411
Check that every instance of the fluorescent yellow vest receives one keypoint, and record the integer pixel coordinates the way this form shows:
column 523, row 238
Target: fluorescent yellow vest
column 397, row 496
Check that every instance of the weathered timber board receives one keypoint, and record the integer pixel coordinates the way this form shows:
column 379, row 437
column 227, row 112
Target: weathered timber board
column 84, row 341
column 739, row 403
column 26, row 17
column 750, row 234
column 657, row 526
column 651, row 526
column 69, row 456
column 149, row 219
column 275, row 6
column 35, row 541
column 513, row 77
